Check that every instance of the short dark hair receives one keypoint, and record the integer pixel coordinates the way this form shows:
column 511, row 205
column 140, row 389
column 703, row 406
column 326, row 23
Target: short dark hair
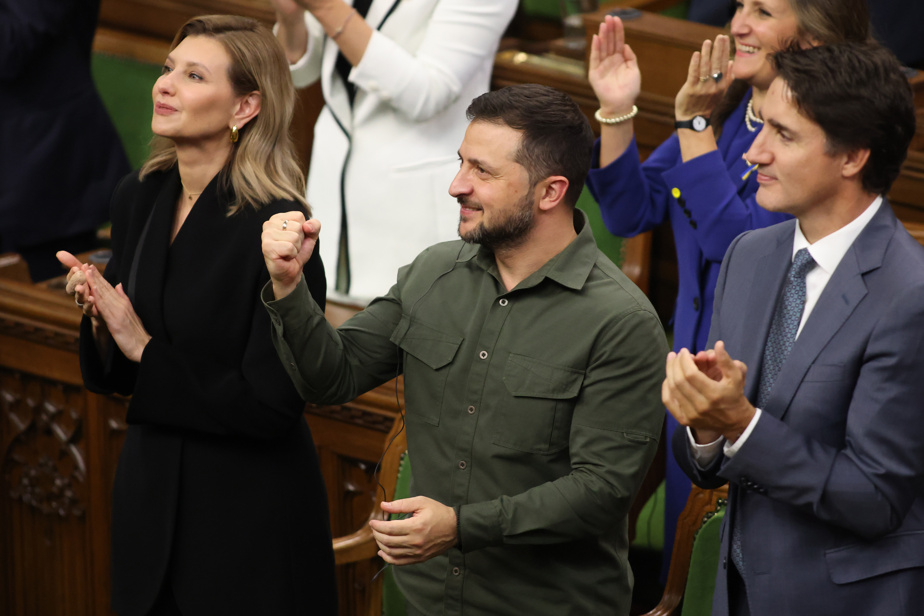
column 859, row 96
column 557, row 139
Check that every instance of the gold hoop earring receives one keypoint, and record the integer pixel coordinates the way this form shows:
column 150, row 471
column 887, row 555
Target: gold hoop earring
column 235, row 135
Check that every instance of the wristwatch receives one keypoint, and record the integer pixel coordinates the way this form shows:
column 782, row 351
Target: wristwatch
column 698, row 123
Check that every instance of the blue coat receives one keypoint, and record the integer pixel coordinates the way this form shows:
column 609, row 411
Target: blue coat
column 713, row 206
column 828, row 489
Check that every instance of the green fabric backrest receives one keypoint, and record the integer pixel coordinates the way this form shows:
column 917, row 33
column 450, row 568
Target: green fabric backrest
column 649, row 528
column 609, row 244
column 541, row 8
column 392, row 599
column 125, row 86
column 704, row 562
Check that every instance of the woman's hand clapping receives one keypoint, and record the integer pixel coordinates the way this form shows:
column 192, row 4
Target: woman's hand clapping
column 708, row 78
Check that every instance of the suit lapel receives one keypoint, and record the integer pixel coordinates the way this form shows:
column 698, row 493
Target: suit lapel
column 840, row 297
column 380, row 11
column 152, row 257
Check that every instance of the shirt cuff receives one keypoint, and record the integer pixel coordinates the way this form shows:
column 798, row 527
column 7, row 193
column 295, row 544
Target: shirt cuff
column 730, row 449
column 704, row 454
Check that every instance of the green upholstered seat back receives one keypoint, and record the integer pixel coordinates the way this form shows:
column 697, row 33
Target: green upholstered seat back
column 125, row 86
column 392, row 599
column 608, row 243
column 704, row 562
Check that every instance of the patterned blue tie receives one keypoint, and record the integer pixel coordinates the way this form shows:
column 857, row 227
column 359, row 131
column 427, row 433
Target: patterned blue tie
column 785, row 324
column 779, row 342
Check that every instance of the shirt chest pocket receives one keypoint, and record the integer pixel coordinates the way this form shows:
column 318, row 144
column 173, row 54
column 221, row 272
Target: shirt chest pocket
column 428, row 355
column 536, row 417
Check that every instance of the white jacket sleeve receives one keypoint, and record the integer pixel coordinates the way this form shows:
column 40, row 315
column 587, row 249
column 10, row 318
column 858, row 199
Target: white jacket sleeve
column 308, row 68
column 460, row 37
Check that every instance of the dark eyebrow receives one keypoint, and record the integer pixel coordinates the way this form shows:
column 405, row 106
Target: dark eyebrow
column 193, row 64
column 780, row 127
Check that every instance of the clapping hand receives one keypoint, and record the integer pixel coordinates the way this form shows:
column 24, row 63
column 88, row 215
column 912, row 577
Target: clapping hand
column 707, row 79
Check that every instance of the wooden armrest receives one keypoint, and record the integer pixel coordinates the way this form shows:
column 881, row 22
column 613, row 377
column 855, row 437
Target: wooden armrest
column 700, row 505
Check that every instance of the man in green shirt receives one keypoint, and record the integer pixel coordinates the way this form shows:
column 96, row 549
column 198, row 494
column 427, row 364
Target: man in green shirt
column 532, row 373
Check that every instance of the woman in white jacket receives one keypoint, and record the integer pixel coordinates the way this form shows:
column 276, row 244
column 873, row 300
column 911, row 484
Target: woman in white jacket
column 385, row 144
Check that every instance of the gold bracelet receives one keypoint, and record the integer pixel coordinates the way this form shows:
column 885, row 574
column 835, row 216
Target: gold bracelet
column 344, row 25
column 618, row 119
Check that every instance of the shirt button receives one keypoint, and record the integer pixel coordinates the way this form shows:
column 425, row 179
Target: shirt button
column 483, row 355
column 462, row 464
column 471, row 410
column 503, row 302
column 696, row 304
column 456, row 571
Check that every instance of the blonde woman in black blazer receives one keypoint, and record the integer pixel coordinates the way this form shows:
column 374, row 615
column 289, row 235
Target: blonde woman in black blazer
column 219, row 505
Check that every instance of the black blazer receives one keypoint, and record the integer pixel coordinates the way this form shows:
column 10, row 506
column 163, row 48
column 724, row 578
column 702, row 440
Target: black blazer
column 60, row 156
column 218, row 489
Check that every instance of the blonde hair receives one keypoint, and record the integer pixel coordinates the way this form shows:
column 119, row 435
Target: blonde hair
column 262, row 166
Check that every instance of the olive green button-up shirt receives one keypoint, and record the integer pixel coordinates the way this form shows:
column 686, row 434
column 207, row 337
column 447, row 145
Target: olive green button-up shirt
column 536, row 411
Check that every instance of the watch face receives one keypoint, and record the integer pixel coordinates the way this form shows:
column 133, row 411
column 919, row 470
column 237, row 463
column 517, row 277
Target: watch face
column 699, row 124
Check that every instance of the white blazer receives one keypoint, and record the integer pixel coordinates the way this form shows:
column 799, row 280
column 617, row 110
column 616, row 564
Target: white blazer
column 395, row 151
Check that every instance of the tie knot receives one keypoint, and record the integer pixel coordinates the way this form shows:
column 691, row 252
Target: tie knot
column 801, row 264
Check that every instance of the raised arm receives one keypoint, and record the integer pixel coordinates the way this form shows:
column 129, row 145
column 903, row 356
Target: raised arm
column 614, row 75
column 420, row 81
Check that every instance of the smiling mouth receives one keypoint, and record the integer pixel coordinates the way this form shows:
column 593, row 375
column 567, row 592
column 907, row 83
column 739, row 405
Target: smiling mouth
column 746, row 48
column 162, row 108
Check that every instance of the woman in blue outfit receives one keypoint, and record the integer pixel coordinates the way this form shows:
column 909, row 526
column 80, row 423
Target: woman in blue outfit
column 698, row 179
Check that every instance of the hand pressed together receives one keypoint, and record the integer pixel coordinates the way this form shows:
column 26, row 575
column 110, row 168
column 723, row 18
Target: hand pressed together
column 706, row 393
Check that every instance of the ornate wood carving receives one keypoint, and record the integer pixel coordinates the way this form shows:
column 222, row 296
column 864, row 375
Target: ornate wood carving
column 44, row 463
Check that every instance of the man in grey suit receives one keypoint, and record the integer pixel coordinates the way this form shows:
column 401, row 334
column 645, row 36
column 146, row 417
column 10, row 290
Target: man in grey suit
column 810, row 402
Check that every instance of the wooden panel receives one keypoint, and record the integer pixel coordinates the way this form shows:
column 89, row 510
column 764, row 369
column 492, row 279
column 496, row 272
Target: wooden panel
column 162, row 18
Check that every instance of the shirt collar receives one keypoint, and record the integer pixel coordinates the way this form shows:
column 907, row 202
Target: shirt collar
column 829, row 250
column 569, row 268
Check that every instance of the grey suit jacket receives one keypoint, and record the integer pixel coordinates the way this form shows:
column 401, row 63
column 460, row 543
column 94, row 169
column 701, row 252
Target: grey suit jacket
column 828, row 489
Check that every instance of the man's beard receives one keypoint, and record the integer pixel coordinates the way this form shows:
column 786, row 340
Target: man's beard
column 508, row 232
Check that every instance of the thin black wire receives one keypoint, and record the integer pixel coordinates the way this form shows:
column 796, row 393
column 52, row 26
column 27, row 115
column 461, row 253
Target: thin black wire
column 375, row 472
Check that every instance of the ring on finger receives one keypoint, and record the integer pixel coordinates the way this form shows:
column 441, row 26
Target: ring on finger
column 717, row 76
column 77, row 301
column 703, row 79
column 285, row 224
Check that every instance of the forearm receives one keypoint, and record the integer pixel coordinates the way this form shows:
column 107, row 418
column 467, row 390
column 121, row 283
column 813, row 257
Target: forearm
column 345, row 27
column 325, row 364
column 615, row 139
column 588, row 502
column 457, row 46
column 293, row 35
column 693, row 143
column 632, row 196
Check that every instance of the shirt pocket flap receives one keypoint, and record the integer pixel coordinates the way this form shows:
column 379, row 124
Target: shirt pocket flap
column 530, row 378
column 860, row 561
column 433, row 347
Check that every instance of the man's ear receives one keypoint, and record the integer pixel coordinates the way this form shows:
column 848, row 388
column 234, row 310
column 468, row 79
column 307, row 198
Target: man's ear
column 552, row 191
column 247, row 108
column 854, row 162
